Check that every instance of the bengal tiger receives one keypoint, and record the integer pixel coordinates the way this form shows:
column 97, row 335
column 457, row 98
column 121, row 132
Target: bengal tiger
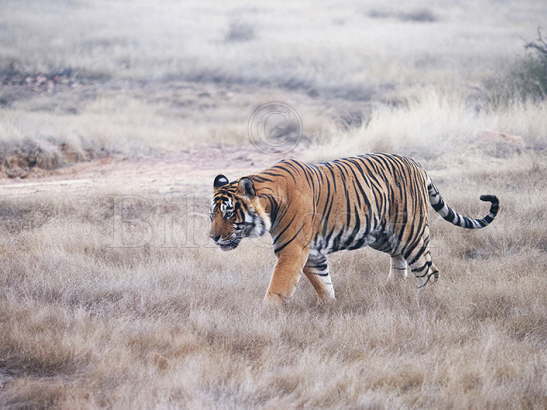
column 312, row 210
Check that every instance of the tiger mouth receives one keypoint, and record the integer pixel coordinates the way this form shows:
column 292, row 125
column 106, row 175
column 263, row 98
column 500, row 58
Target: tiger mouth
column 228, row 246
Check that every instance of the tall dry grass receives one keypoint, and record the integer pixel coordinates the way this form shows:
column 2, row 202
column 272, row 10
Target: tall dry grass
column 89, row 323
column 434, row 122
column 126, row 305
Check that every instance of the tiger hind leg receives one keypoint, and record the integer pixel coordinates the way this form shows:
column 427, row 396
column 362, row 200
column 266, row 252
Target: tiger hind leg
column 423, row 268
column 316, row 270
column 398, row 266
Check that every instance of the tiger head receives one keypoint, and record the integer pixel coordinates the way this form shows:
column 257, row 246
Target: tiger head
column 236, row 213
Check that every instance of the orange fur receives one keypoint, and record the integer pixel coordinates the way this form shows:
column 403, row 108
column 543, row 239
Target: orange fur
column 311, row 210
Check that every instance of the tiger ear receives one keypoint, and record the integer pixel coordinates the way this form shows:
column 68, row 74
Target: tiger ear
column 246, row 187
column 220, row 180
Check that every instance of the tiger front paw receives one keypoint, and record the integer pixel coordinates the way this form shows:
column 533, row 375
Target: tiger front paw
column 273, row 299
column 325, row 299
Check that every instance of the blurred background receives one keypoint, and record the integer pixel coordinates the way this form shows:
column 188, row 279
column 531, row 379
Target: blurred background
column 83, row 79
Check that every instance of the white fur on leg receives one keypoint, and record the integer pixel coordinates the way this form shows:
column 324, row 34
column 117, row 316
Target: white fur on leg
column 399, row 266
column 328, row 288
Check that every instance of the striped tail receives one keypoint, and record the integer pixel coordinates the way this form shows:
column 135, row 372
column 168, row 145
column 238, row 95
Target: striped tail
column 455, row 218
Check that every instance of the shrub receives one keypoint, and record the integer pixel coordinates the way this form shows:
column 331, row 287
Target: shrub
column 419, row 16
column 240, row 31
column 533, row 73
column 525, row 80
column 416, row 15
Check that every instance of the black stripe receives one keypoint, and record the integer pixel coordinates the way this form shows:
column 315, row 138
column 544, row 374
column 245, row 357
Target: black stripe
column 284, row 230
column 438, row 206
column 421, row 268
column 279, row 249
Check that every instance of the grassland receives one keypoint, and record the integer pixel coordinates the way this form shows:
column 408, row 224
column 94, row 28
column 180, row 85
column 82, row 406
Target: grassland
column 116, row 116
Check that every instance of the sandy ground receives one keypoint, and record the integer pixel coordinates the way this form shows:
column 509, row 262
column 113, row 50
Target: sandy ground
column 191, row 170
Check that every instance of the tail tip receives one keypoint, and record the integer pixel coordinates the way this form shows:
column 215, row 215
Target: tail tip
column 489, row 198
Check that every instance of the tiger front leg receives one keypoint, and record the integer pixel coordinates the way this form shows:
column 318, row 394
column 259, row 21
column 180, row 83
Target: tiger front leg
column 286, row 274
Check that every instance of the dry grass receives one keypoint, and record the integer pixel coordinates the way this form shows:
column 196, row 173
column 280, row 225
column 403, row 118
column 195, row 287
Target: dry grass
column 87, row 323
column 103, row 305
column 296, row 45
column 436, row 122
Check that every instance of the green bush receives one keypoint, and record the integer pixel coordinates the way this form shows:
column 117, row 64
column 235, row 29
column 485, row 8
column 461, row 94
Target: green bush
column 526, row 79
column 532, row 75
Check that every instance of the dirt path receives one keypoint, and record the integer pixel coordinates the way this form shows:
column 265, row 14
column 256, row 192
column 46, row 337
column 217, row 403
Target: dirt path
column 190, row 170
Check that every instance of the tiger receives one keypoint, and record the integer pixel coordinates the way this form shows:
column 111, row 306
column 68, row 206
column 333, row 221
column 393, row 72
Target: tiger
column 314, row 209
